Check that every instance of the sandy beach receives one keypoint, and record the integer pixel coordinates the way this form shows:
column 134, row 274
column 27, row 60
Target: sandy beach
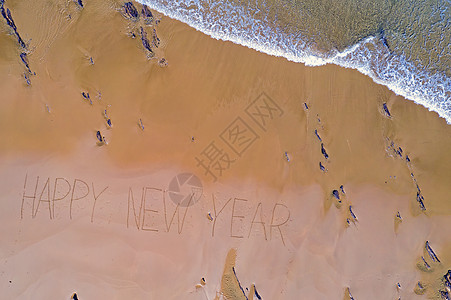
column 292, row 176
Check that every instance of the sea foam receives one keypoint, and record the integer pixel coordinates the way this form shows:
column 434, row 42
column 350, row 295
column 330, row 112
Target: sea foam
column 223, row 21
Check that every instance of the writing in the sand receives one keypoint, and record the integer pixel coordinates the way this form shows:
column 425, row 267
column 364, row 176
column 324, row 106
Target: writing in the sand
column 238, row 217
column 148, row 209
column 44, row 193
column 246, row 218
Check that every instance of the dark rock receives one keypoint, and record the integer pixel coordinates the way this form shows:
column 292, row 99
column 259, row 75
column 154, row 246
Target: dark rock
column 383, row 38
column 239, row 283
column 335, row 194
column 420, row 285
column 317, row 135
column 420, row 200
column 109, row 122
column 146, row 12
column 447, row 279
column 445, row 295
column 256, row 293
column 407, row 158
column 145, row 41
column 87, row 97
column 448, row 284
column 352, row 213
column 323, row 151
column 305, row 106
column 10, row 20
column 163, row 62
column 99, row 136
column 24, row 58
column 431, row 252
column 27, row 79
column 80, row 2
column 418, row 188
column 3, row 12
column 321, row 167
column 287, row 157
column 130, row 10
column 155, row 39
column 387, row 112
column 349, row 294
column 342, row 189
column 74, row 296
column 425, row 263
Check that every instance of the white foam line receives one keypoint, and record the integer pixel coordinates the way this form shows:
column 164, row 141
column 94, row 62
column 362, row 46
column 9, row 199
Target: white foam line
column 434, row 96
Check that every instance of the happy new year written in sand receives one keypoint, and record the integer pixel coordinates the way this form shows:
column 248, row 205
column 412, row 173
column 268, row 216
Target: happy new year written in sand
column 149, row 209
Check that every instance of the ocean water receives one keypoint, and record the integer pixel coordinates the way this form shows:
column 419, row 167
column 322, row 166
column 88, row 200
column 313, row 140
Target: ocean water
column 402, row 44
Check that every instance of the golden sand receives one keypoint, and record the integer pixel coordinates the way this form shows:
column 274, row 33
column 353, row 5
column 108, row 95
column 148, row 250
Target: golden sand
column 99, row 221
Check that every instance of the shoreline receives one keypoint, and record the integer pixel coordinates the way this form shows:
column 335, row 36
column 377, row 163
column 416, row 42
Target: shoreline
column 399, row 86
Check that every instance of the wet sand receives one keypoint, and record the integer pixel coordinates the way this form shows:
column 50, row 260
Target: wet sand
column 101, row 221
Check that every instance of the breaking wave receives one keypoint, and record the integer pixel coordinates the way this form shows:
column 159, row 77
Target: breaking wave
column 253, row 27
